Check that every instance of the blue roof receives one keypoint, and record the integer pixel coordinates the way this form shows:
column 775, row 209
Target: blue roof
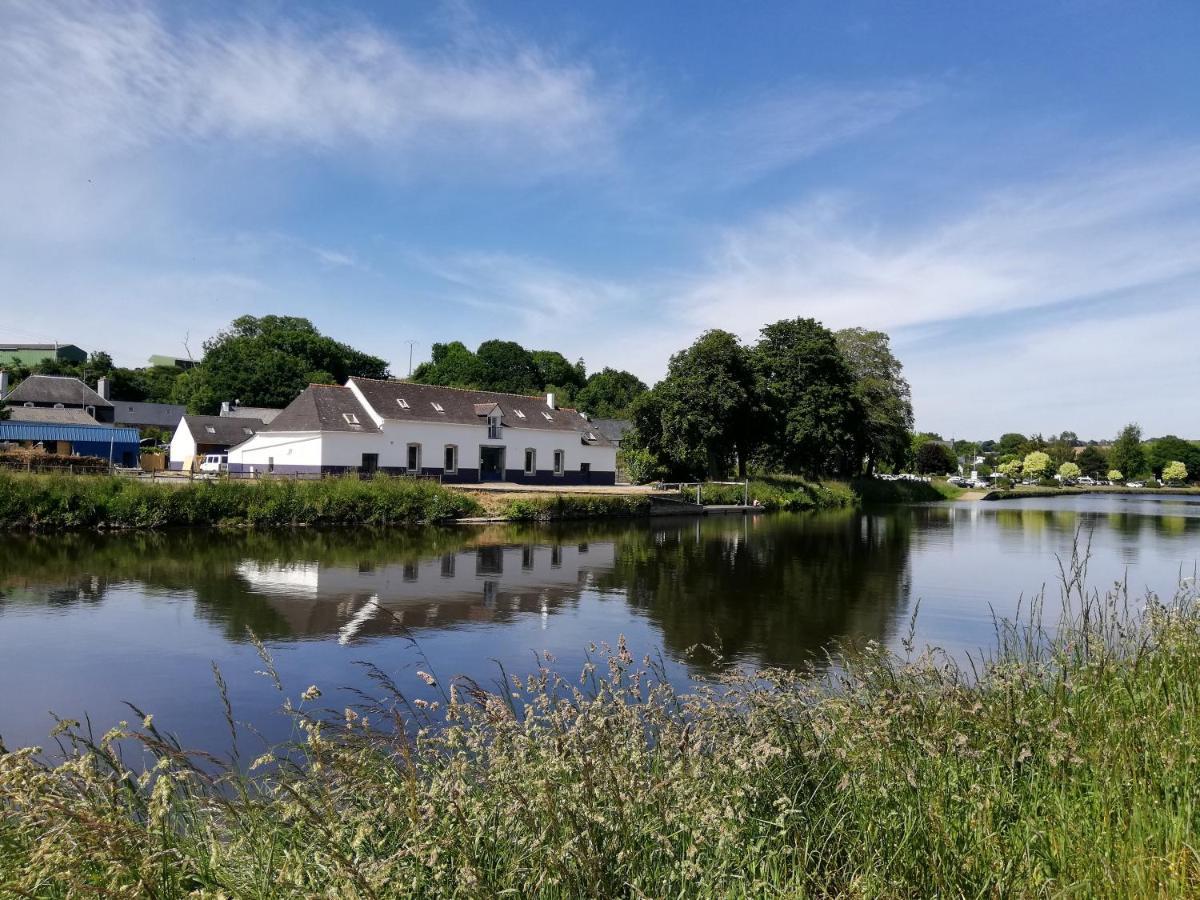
column 50, row 431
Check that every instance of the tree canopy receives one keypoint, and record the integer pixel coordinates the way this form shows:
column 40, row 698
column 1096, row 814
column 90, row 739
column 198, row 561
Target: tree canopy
column 1069, row 471
column 1175, row 472
column 268, row 361
column 882, row 393
column 813, row 423
column 1167, row 449
column 1126, row 452
column 934, row 458
column 703, row 412
column 609, row 394
column 1092, row 461
column 1036, row 464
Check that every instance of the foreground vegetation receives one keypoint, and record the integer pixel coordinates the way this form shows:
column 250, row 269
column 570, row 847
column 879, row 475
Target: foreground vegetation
column 1060, row 766
column 57, row 502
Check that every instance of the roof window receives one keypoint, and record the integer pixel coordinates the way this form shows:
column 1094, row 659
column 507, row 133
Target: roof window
column 437, row 406
column 249, row 431
column 549, row 418
column 350, row 418
column 520, row 415
column 402, row 403
column 210, row 429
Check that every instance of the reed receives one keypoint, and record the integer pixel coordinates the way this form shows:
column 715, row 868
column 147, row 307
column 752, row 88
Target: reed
column 1062, row 763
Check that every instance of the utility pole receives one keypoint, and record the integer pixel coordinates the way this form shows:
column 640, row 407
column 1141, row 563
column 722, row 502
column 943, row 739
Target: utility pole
column 411, row 344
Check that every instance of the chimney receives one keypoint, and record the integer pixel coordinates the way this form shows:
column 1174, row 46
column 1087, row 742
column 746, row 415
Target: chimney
column 3, row 383
column 550, row 401
column 226, row 407
column 102, row 388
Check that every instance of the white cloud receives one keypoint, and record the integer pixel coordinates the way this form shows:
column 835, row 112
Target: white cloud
column 757, row 135
column 1091, row 232
column 89, row 90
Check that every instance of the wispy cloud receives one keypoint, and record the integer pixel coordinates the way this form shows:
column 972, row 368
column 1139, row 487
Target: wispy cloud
column 87, row 87
column 751, row 137
column 1115, row 227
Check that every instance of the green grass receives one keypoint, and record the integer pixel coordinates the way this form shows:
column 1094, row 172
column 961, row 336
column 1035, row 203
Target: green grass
column 575, row 506
column 1064, row 765
column 776, row 492
column 61, row 502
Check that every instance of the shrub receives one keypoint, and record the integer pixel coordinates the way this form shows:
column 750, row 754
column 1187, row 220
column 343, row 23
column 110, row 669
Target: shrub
column 56, row 502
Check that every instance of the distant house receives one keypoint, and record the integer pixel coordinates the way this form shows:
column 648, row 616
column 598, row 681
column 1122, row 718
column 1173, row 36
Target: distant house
column 197, row 436
column 233, row 409
column 120, row 445
column 404, row 428
column 32, row 354
column 172, row 362
column 613, row 429
column 58, row 392
column 163, row 416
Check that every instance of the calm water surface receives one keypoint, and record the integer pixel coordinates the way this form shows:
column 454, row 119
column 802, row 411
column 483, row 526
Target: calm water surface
column 89, row 621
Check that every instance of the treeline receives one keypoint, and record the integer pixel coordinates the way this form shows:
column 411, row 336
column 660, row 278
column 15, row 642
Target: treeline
column 508, row 367
column 802, row 399
column 267, row 361
column 1127, row 456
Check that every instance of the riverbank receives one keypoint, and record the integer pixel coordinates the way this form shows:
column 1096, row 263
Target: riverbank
column 42, row 502
column 1062, row 766
column 65, row 502
column 1032, row 491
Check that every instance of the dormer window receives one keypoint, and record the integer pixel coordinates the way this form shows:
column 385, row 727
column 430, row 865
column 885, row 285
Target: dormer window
column 403, row 404
column 351, row 418
column 437, row 406
column 520, row 415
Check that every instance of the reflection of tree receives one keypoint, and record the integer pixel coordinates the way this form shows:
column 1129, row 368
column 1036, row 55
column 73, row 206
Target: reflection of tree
column 68, row 569
column 777, row 589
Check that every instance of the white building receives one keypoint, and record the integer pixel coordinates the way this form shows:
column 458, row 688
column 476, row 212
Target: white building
column 197, row 436
column 403, row 428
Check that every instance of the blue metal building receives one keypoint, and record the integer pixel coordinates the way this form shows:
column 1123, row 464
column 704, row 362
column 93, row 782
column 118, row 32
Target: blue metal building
column 118, row 444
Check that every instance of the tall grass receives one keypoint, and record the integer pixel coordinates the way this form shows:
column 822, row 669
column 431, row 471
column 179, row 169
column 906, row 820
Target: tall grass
column 1063, row 764
column 59, row 502
column 575, row 506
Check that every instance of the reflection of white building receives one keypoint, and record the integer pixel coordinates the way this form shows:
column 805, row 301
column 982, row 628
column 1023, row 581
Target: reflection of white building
column 479, row 584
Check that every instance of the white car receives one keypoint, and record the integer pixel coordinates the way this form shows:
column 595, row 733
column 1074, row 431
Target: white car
column 1086, row 479
column 215, row 463
column 1135, row 484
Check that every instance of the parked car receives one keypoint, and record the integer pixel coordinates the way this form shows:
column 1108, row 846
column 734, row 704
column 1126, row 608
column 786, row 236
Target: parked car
column 214, row 463
column 1135, row 484
column 1087, row 479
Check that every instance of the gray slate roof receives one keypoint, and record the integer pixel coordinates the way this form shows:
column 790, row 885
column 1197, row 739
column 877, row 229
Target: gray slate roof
column 49, row 415
column 263, row 413
column 225, row 431
column 55, row 389
column 466, row 407
column 613, row 429
column 157, row 415
column 324, row 407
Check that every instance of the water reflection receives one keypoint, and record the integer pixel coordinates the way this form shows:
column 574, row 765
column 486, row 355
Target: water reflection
column 776, row 590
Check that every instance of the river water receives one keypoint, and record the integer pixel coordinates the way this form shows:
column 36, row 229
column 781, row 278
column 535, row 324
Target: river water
column 89, row 621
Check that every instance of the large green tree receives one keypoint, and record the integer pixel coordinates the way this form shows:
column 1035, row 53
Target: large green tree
column 703, row 413
column 1012, row 443
column 1164, row 450
column 1092, row 461
column 267, row 361
column 881, row 391
column 934, row 458
column 559, row 375
column 452, row 365
column 1126, row 452
column 814, row 418
column 507, row 366
column 609, row 394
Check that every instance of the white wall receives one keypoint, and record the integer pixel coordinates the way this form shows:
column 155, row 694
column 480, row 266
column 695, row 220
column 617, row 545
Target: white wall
column 337, row 448
column 183, row 447
column 287, row 448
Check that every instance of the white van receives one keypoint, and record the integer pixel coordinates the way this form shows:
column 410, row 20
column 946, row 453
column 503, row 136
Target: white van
column 214, row 463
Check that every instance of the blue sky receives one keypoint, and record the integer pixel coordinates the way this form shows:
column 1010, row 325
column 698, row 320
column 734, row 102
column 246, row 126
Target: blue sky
column 1012, row 191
